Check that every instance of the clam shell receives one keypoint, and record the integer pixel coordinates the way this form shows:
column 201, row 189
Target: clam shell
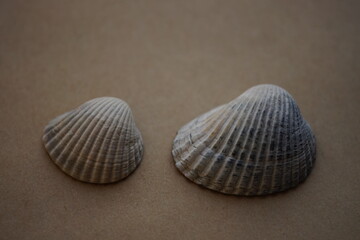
column 256, row 144
column 97, row 142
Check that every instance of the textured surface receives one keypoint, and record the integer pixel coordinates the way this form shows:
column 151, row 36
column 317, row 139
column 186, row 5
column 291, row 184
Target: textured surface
column 172, row 61
column 256, row 144
column 97, row 142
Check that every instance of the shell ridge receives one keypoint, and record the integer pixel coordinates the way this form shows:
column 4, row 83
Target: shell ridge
column 199, row 126
column 126, row 149
column 275, row 184
column 262, row 132
column 182, row 142
column 113, row 125
column 115, row 128
column 278, row 149
column 130, row 153
column 66, row 138
column 211, row 131
column 122, row 165
column 86, row 158
column 62, row 136
column 257, row 120
column 75, row 161
column 92, row 132
column 287, row 158
column 275, row 134
column 138, row 147
column 218, row 139
column 293, row 148
column 97, row 161
column 53, row 123
column 287, row 139
column 71, row 119
column 199, row 160
column 267, row 164
column 103, row 126
column 229, row 180
column 303, row 151
column 116, row 171
column 196, row 161
column 186, row 156
column 245, row 168
column 231, row 130
column 310, row 151
column 129, row 121
column 74, row 144
column 100, row 159
column 190, row 127
column 277, row 131
column 239, row 115
column 297, row 174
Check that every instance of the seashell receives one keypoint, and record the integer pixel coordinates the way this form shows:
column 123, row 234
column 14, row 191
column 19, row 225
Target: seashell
column 97, row 142
column 256, row 144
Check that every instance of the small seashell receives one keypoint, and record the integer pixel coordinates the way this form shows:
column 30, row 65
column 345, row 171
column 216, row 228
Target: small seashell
column 97, row 142
column 256, row 144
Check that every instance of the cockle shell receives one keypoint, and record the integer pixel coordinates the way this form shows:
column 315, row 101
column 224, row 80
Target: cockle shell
column 256, row 144
column 97, row 142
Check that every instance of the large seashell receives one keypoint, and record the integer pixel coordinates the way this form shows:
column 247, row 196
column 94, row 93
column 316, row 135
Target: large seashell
column 97, row 142
column 256, row 144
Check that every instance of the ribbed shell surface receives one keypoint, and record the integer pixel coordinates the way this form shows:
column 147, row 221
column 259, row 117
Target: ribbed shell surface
column 97, row 142
column 256, row 144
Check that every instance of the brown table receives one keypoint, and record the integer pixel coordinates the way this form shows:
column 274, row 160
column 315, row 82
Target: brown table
column 171, row 61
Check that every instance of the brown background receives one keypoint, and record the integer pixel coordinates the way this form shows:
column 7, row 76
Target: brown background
column 171, row 61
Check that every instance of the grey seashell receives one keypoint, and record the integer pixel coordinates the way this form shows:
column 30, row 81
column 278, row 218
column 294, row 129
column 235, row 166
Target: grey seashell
column 97, row 142
column 256, row 144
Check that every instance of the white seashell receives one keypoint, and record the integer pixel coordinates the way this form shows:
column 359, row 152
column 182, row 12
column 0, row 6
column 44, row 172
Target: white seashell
column 97, row 142
column 256, row 144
